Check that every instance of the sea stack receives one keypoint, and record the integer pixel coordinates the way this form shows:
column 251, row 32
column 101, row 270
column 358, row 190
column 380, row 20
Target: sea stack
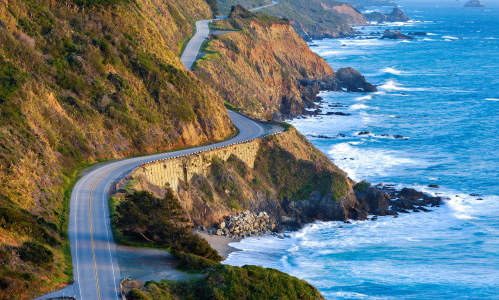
column 474, row 3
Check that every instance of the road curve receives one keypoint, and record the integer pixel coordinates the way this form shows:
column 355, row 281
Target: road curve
column 95, row 267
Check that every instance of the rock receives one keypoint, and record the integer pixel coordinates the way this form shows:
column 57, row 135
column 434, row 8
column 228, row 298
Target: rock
column 395, row 35
column 474, row 3
column 418, row 33
column 337, row 113
column 397, row 15
column 353, row 81
column 364, row 133
column 434, row 186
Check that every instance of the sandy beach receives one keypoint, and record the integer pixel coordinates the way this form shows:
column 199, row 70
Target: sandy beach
column 220, row 243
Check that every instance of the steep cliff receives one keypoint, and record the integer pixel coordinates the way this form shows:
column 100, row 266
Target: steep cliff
column 80, row 82
column 265, row 68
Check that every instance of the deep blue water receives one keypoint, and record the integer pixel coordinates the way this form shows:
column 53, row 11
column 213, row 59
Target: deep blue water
column 441, row 92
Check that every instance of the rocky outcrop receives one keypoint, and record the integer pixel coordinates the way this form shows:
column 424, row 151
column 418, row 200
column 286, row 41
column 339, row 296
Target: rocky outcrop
column 397, row 15
column 474, row 3
column 351, row 80
column 267, row 70
column 395, row 35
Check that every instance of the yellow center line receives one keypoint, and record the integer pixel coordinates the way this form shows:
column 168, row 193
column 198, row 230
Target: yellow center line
column 91, row 229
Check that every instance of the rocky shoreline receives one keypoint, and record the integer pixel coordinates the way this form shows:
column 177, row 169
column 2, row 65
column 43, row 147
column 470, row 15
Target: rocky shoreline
column 379, row 200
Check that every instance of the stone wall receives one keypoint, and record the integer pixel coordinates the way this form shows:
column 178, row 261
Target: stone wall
column 171, row 171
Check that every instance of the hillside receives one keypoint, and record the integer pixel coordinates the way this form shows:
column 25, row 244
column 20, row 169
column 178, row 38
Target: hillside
column 82, row 82
column 265, row 68
column 311, row 19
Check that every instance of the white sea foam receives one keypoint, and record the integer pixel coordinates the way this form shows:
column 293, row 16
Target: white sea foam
column 359, row 106
column 367, row 97
column 492, row 99
column 392, row 71
column 362, row 163
column 392, row 85
column 448, row 37
column 362, row 42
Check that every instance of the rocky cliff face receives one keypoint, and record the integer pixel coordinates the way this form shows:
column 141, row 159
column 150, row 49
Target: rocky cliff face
column 290, row 180
column 265, row 68
column 78, row 84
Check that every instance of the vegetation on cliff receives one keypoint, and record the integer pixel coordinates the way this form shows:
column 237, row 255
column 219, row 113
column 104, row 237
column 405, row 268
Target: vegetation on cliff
column 160, row 222
column 226, row 282
column 83, row 81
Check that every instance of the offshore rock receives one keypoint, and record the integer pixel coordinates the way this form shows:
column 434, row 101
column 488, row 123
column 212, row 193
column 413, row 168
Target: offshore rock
column 397, row 15
column 474, row 3
column 353, row 81
column 395, row 35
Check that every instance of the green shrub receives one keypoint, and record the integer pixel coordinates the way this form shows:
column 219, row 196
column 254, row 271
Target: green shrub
column 192, row 262
column 36, row 253
column 11, row 79
column 362, row 186
column 143, row 218
column 241, row 283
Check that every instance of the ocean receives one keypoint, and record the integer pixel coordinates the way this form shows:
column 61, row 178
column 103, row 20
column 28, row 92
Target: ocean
column 434, row 120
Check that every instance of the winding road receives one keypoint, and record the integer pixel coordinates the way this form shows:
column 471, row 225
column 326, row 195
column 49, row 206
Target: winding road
column 93, row 250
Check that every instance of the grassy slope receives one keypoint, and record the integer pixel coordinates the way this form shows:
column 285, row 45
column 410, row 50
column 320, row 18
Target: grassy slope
column 80, row 84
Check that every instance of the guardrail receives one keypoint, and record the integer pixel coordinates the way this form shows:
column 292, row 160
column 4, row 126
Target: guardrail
column 204, row 150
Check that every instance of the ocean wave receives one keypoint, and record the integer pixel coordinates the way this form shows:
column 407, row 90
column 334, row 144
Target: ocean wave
column 392, row 71
column 367, row 97
column 359, row 106
column 449, row 37
column 362, row 42
column 392, row 85
column 492, row 99
column 363, row 163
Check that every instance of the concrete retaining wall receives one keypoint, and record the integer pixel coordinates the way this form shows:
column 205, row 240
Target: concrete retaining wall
column 169, row 172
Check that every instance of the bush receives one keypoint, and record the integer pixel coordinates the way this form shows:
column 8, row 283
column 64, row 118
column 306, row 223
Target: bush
column 11, row 79
column 36, row 253
column 143, row 218
column 362, row 186
column 193, row 263
column 241, row 283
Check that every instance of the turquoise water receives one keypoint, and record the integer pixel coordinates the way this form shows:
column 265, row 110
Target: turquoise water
column 441, row 93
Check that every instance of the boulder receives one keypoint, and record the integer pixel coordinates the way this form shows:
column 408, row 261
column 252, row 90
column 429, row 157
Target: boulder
column 353, row 81
column 395, row 35
column 474, row 3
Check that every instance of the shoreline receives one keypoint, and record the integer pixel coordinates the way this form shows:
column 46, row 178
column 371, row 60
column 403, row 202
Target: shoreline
column 220, row 243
